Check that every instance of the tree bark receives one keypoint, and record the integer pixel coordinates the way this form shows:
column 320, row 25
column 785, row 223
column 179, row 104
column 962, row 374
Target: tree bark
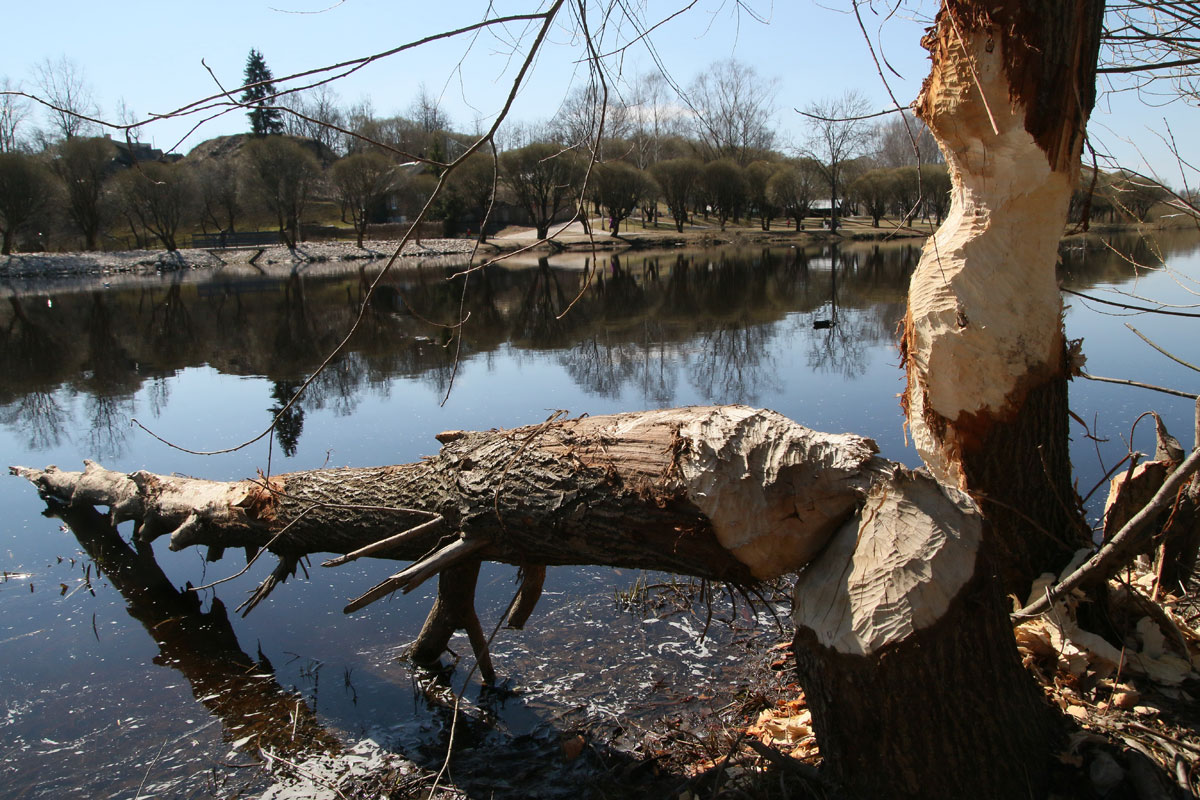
column 948, row 713
column 727, row 493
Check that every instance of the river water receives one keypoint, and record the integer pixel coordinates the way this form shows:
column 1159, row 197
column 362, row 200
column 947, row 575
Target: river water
column 113, row 683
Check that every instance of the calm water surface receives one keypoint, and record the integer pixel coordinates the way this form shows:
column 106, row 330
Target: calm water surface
column 112, row 681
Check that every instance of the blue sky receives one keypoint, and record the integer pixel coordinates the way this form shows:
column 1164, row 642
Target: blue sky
column 148, row 56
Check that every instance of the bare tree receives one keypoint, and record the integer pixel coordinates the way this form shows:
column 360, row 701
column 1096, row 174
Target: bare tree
column 82, row 165
column 220, row 200
column 836, row 137
column 758, row 177
column 679, row 179
column 876, row 191
column 314, row 114
column 14, row 110
column 426, row 111
column 544, row 180
column 475, row 183
column 793, row 188
column 734, row 106
column 68, row 96
column 284, row 176
column 619, row 188
column 904, row 141
column 577, row 123
column 159, row 197
column 361, row 181
column 725, row 187
column 654, row 115
column 935, row 191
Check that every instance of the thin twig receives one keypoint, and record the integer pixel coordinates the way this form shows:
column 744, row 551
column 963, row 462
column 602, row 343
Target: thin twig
column 384, row 544
column 1129, row 307
column 1171, row 356
column 148, row 768
column 1138, row 384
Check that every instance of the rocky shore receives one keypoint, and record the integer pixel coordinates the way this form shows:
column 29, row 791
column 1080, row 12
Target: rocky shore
column 44, row 265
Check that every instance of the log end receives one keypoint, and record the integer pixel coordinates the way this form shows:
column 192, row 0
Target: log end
column 774, row 490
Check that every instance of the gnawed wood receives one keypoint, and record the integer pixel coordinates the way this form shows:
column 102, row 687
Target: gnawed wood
column 1007, row 99
column 1129, row 491
column 729, row 493
column 892, row 570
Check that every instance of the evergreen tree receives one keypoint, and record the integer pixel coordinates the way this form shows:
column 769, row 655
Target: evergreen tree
column 264, row 120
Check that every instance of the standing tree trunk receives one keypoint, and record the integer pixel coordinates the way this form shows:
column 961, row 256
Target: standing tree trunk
column 944, row 709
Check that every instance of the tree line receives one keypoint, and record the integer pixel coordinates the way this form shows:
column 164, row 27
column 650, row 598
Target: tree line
column 715, row 158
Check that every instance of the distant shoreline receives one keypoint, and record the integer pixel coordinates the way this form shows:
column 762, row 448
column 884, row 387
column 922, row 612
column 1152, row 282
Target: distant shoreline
column 271, row 258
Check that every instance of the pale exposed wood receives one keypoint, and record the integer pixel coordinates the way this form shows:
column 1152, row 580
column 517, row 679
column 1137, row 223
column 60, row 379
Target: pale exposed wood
column 893, row 570
column 773, row 490
column 984, row 309
column 1129, row 491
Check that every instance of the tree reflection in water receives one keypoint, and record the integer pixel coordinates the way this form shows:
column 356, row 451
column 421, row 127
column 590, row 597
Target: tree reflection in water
column 239, row 690
column 653, row 328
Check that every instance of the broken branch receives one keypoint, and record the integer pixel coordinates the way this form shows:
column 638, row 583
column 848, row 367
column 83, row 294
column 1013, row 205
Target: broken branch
column 1112, row 555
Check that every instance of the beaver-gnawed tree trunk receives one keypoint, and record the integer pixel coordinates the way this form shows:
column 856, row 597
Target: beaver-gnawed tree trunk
column 945, row 712
column 1008, row 100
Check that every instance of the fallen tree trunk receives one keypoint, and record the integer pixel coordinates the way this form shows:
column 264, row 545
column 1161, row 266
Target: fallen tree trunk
column 893, row 609
column 726, row 493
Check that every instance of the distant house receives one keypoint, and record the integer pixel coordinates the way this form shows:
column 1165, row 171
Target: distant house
column 403, row 198
column 821, row 208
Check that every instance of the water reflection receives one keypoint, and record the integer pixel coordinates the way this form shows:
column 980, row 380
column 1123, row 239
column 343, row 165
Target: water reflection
column 240, row 691
column 654, row 326
column 289, row 419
